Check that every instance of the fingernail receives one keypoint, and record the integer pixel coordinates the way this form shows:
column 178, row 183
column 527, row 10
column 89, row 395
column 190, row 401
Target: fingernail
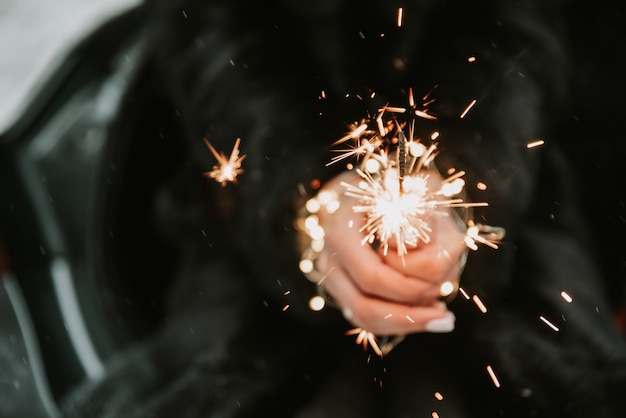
column 347, row 313
column 445, row 324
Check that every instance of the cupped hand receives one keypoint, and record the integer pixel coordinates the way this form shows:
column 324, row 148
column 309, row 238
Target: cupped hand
column 388, row 294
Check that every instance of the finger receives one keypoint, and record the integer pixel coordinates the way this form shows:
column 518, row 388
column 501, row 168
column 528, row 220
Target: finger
column 447, row 287
column 382, row 317
column 364, row 267
column 432, row 261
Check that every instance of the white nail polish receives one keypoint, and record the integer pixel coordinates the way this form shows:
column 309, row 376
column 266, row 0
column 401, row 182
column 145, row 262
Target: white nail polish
column 445, row 324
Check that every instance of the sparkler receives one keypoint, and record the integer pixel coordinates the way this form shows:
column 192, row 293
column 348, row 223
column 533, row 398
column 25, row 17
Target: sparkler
column 227, row 169
column 401, row 192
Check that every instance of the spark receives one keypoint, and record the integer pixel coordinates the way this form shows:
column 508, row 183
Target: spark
column 400, row 16
column 366, row 339
column 364, row 148
column 471, row 59
column 488, row 235
column 566, row 297
column 435, row 414
column 438, row 396
column 227, row 169
column 421, row 112
column 285, row 308
column 493, row 376
column 356, row 130
column 535, row 144
column 467, row 109
column 479, row 303
column 464, row 293
column 548, row 323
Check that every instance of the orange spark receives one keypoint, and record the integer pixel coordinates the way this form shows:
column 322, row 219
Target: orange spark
column 484, row 234
column 355, row 132
column 393, row 109
column 548, row 323
column 366, row 338
column 493, row 376
column 400, row 16
column 536, row 143
column 479, row 303
column 467, row 109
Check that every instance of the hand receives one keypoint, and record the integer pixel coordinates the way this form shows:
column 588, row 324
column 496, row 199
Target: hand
column 388, row 294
